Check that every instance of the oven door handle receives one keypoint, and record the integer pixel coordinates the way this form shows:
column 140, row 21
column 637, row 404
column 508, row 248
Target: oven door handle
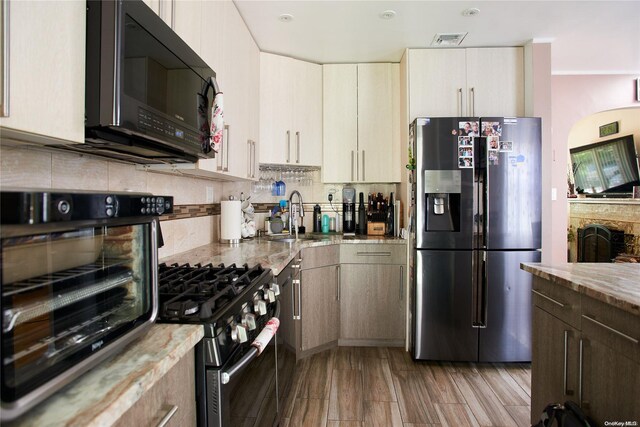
column 227, row 375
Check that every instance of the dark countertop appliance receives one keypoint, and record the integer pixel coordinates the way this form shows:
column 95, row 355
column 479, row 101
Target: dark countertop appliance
column 234, row 385
column 477, row 217
column 349, row 211
column 148, row 94
column 79, row 282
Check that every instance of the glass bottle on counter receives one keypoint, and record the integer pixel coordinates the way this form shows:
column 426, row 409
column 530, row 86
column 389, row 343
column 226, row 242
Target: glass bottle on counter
column 362, row 216
column 390, row 216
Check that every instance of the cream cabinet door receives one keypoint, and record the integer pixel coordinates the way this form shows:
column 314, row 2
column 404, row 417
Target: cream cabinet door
column 307, row 114
column 339, row 122
column 437, row 82
column 187, row 22
column 378, row 138
column 46, row 71
column 276, row 104
column 495, row 82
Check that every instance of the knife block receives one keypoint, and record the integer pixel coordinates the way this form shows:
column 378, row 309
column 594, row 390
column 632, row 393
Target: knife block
column 376, row 228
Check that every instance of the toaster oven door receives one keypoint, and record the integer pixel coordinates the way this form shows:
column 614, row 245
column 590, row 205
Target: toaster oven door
column 67, row 295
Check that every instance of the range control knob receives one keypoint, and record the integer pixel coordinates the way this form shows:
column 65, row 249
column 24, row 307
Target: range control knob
column 260, row 307
column 270, row 296
column 275, row 288
column 249, row 321
column 239, row 333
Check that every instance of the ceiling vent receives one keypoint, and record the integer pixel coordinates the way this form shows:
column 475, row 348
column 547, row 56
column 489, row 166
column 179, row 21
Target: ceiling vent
column 448, row 39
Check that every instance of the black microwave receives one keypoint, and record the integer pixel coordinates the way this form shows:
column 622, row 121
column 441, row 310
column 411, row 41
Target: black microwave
column 147, row 92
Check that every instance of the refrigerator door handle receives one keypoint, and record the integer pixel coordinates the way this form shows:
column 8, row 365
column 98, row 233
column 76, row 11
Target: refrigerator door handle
column 481, row 303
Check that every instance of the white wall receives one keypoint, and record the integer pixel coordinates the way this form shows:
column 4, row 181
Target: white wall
column 587, row 130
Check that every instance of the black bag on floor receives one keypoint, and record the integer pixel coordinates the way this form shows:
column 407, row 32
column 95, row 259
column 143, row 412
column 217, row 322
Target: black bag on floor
column 567, row 415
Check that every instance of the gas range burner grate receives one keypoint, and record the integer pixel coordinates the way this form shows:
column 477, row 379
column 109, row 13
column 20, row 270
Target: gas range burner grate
column 195, row 293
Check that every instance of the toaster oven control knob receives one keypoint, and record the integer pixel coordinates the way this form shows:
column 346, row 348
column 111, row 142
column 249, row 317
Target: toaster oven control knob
column 239, row 334
column 249, row 321
column 260, row 307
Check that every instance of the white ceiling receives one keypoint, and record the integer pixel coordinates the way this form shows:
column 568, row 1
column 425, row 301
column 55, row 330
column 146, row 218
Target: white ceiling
column 588, row 37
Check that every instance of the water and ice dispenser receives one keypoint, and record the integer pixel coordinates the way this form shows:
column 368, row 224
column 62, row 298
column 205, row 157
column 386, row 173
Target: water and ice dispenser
column 442, row 200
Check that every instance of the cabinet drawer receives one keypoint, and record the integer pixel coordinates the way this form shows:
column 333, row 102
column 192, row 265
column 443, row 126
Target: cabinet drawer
column 175, row 390
column 612, row 327
column 375, row 253
column 557, row 300
column 319, row 256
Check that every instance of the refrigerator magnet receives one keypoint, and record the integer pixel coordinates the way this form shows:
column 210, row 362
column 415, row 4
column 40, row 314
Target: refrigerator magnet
column 506, row 146
column 491, row 128
column 494, row 159
column 493, row 142
column 465, row 151
column 465, row 141
column 465, row 162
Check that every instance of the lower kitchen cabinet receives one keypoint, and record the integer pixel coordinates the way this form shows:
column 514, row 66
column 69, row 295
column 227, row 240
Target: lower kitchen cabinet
column 319, row 311
column 173, row 393
column 372, row 300
column 554, row 362
column 593, row 361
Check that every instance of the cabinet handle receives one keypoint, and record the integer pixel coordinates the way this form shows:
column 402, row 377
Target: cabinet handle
column 288, row 146
column 249, row 168
column 298, row 147
column 363, row 178
column 473, row 101
column 173, row 15
column 558, row 303
column 4, row 51
column 352, row 166
column 566, row 354
column 373, row 253
column 460, row 101
column 580, row 356
column 609, row 328
column 255, row 160
column 338, row 282
column 401, row 283
column 225, row 161
column 165, row 420
column 299, row 316
column 223, row 146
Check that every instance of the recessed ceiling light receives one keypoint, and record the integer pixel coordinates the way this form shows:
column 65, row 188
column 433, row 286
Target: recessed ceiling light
column 473, row 11
column 285, row 17
column 388, row 14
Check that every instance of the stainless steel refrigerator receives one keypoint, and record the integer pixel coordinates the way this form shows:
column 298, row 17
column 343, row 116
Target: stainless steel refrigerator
column 477, row 197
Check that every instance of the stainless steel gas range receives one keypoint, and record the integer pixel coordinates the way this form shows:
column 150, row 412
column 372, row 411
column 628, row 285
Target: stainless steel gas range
column 235, row 384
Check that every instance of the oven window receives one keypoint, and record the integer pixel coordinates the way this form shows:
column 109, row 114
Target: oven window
column 66, row 295
column 157, row 78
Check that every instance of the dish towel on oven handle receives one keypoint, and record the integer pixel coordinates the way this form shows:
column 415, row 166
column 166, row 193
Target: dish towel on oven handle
column 263, row 338
column 210, row 126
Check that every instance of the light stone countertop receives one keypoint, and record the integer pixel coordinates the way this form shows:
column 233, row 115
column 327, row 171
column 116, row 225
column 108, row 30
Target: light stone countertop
column 617, row 284
column 269, row 254
column 102, row 395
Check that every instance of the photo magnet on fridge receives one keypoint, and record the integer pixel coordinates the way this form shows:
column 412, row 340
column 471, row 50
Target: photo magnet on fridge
column 506, row 146
column 464, row 141
column 494, row 159
column 493, row 143
column 469, row 128
column 465, row 162
column 491, row 128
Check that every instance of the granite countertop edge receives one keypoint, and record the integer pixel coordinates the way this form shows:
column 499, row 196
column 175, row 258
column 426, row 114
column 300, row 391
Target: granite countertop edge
column 268, row 253
column 103, row 394
column 616, row 284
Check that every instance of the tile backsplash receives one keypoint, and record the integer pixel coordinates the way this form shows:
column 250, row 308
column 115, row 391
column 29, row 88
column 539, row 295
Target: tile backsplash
column 37, row 167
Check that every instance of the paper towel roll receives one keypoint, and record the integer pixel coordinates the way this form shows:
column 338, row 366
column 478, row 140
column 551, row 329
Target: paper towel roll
column 230, row 221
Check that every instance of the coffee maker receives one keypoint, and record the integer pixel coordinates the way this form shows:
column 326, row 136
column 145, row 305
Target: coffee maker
column 349, row 211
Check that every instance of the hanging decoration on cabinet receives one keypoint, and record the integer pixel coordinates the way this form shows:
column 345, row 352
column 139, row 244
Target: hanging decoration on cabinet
column 211, row 127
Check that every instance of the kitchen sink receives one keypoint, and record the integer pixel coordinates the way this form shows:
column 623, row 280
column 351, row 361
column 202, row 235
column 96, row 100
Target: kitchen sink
column 291, row 239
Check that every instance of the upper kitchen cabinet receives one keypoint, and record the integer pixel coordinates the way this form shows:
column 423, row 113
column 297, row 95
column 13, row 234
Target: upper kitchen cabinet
column 183, row 16
column 361, row 116
column 45, row 70
column 227, row 46
column 466, row 82
column 290, row 111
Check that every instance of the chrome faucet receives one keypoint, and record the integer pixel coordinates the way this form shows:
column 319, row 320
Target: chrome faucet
column 293, row 211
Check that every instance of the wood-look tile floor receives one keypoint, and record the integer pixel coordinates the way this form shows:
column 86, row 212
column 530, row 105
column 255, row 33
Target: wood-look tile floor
column 367, row 386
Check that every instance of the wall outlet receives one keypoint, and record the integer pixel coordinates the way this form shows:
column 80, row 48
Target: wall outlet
column 209, row 194
column 331, row 195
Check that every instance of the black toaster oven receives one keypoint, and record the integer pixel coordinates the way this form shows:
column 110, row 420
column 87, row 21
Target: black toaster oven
column 78, row 282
